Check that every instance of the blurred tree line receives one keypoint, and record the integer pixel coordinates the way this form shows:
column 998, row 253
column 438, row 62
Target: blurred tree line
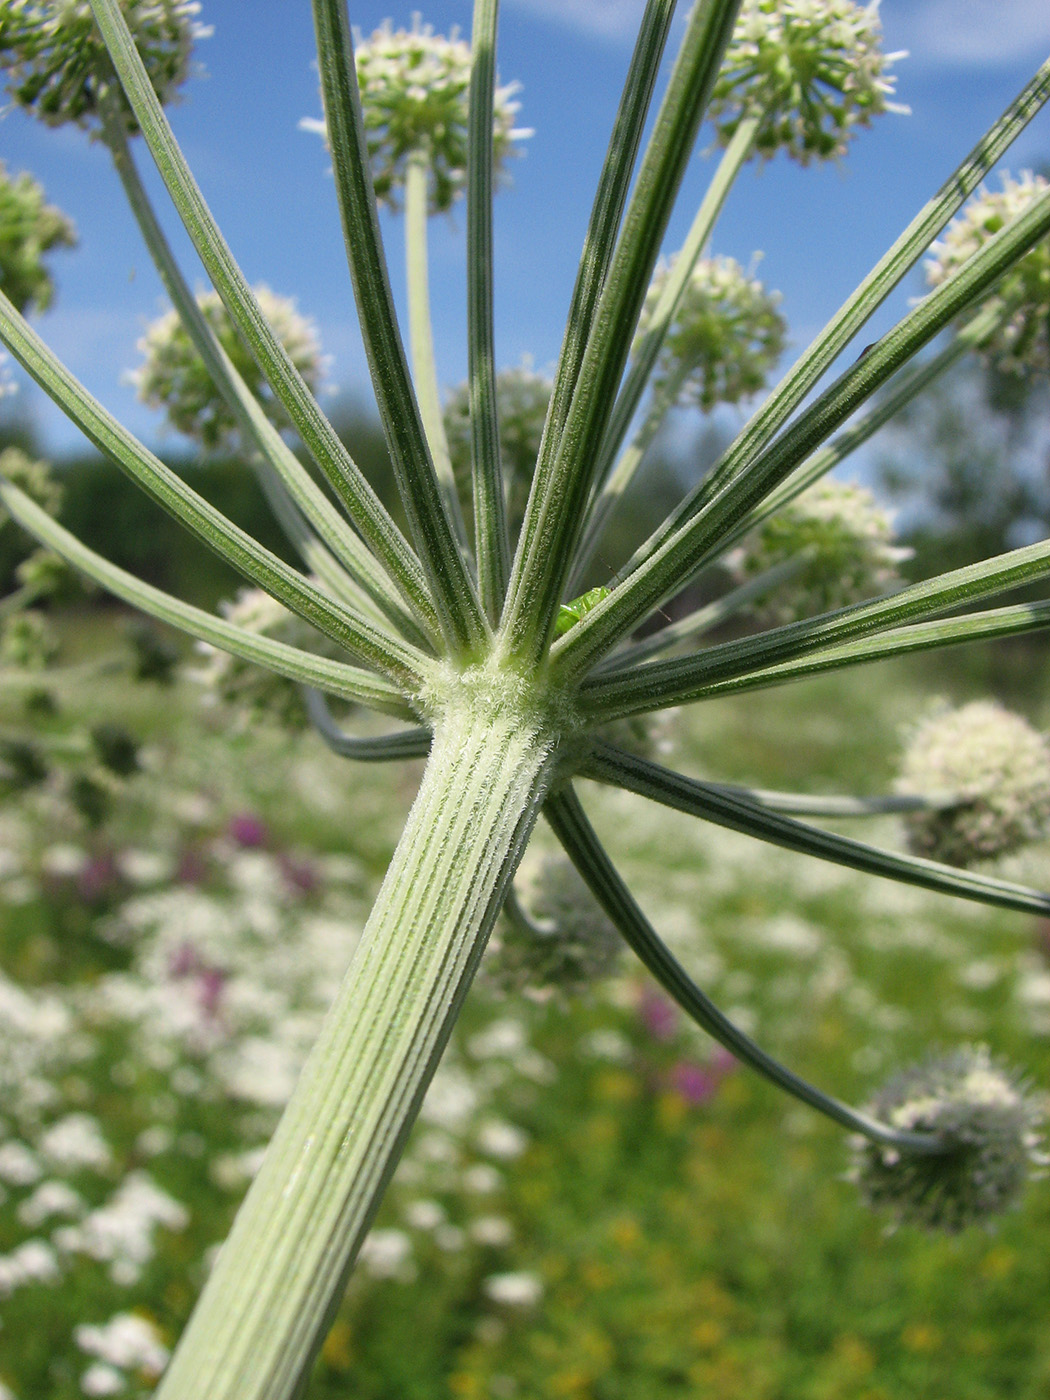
column 113, row 517
column 968, row 467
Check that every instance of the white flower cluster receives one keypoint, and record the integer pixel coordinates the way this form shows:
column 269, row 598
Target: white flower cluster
column 254, row 690
column 812, row 71
column 989, row 1126
column 29, row 228
column 522, row 398
column 993, row 767
column 567, row 945
column 57, row 66
column 126, row 1343
column 845, row 544
column 33, row 476
column 415, row 91
column 173, row 376
column 725, row 337
column 1023, row 343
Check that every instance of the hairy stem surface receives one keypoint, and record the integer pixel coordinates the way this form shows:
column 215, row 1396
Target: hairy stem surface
column 281, row 1274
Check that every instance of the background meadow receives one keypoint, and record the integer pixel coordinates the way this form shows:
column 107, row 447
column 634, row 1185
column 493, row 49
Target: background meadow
column 596, row 1202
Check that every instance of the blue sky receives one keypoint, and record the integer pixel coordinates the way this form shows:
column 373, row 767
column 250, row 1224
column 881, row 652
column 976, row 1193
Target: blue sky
column 819, row 230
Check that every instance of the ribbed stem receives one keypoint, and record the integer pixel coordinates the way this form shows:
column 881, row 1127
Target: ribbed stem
column 280, row 1276
column 421, row 335
column 665, row 396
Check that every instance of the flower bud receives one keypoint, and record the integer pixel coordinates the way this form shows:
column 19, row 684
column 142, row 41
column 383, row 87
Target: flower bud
column 27, row 641
column 522, row 397
column 415, row 92
column 253, row 689
column 567, row 943
column 988, row 1122
column 34, row 477
column 993, row 766
column 29, row 228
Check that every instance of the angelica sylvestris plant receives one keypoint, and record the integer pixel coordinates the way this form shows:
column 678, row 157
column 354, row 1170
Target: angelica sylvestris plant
column 478, row 643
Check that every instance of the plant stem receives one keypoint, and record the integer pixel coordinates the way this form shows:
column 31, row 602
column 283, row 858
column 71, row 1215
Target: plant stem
column 665, row 396
column 280, row 1276
column 570, row 824
column 491, row 539
column 733, row 159
column 695, row 624
column 366, row 574
column 421, row 335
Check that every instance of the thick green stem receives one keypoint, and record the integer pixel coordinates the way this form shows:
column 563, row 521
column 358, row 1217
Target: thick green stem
column 421, row 335
column 280, row 1275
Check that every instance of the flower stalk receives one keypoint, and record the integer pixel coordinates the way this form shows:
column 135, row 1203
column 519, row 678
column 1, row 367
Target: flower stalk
column 267, row 1304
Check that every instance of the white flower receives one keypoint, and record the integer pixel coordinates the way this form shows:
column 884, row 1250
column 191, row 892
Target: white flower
column 415, row 88
column 1023, row 343
column 513, row 1290
column 844, row 541
column 18, row 1165
column 988, row 1123
column 64, row 860
column 424, row 1215
column 504, row 1039
column 57, row 66
column 607, row 1045
column 811, row 70
column 75, row 1142
column 450, row 1100
column 386, row 1253
column 173, row 376
column 482, row 1179
column 32, row 1262
column 120, row 1233
column 501, row 1140
column 994, row 765
column 102, row 1380
column 50, row 1198
column 726, row 334
column 127, row 1341
column 145, row 867
column 491, row 1231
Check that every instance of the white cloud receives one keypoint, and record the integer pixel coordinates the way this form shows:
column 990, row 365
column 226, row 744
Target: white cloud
column 968, row 33
column 615, row 20
column 941, row 33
